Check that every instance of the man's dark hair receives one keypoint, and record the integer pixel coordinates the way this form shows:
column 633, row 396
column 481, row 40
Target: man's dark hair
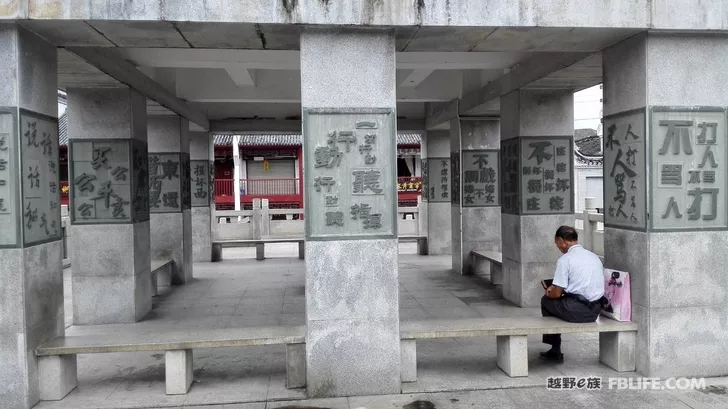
column 567, row 233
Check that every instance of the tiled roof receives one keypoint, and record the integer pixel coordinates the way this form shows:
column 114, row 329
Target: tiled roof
column 63, row 129
column 589, row 146
column 582, row 133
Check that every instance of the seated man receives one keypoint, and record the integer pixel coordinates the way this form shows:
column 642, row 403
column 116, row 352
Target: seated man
column 577, row 289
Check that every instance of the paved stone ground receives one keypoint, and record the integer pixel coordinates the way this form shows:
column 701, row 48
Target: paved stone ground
column 452, row 373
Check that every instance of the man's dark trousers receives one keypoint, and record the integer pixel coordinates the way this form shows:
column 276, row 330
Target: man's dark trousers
column 568, row 309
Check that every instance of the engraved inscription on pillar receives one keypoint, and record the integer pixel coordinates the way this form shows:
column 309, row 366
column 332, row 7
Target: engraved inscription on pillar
column 140, row 181
column 9, row 233
column 166, row 175
column 625, row 167
column 438, row 180
column 200, row 173
column 547, row 165
column 185, row 181
column 455, row 178
column 510, row 160
column 350, row 173
column 425, row 179
column 211, row 182
column 101, row 181
column 40, row 180
column 688, row 150
column 480, row 178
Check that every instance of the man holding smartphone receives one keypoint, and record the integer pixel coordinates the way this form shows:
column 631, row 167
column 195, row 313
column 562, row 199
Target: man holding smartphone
column 576, row 292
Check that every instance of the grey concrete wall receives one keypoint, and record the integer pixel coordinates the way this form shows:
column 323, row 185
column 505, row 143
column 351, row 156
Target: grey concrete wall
column 31, row 278
column 111, row 277
column 529, row 253
column 436, row 144
column 476, row 228
column 202, row 148
column 171, row 233
column 352, row 304
column 678, row 279
column 660, row 14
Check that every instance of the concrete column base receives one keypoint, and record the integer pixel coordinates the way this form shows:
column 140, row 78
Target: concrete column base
column 295, row 366
column 617, row 350
column 408, row 352
column 513, row 354
column 178, row 371
column 216, row 252
column 57, row 376
column 301, row 250
column 260, row 251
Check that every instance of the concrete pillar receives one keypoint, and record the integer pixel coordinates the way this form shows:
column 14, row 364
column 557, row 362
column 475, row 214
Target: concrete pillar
column 202, row 173
column 476, row 213
column 537, row 166
column 666, row 147
column 110, row 206
column 348, row 92
column 170, row 194
column 31, row 274
column 435, row 148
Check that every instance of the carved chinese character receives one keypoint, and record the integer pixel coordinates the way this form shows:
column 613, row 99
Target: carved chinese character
column 99, row 158
column 481, row 160
column 560, row 168
column 633, row 186
column 31, row 216
column 471, row 176
column 533, row 203
column 526, row 170
column 327, row 157
column 632, row 218
column 548, row 174
column 374, row 221
column 169, row 170
column 52, row 167
column 694, row 176
column 709, row 176
column 548, row 187
column 53, row 205
column 489, row 198
column 3, row 147
column 155, row 191
column 30, row 133
column 561, row 151
column 631, row 159
column 468, row 188
column 556, row 203
column 620, row 211
column 85, row 210
column 702, row 137
column 2, row 205
column 320, row 181
column 672, row 207
column 47, row 144
column 332, row 201
column 199, row 170
column 118, row 206
column 44, row 224
column 694, row 210
column 34, row 178
column 119, row 173
column 487, row 175
column 170, row 199
column 610, row 142
column 536, row 170
column 534, row 186
column 708, row 156
column 469, row 199
column 334, row 218
column 490, row 188
column 201, row 194
column 671, row 174
column 3, row 164
column 347, row 137
column 630, row 133
column 53, row 187
column 83, row 182
column 105, row 193
column 563, row 184
column 366, row 179
column 676, row 130
column 539, row 151
column 360, row 211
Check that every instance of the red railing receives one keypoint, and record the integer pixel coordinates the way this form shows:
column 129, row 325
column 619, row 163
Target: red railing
column 258, row 187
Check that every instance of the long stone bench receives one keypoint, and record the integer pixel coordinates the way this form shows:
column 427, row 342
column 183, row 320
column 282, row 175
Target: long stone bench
column 161, row 269
column 57, row 358
column 616, row 339
column 259, row 244
column 488, row 262
column 421, row 243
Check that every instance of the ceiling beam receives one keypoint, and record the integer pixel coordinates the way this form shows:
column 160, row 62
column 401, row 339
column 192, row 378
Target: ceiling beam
column 241, row 76
column 519, row 77
column 105, row 60
column 415, row 78
column 289, row 126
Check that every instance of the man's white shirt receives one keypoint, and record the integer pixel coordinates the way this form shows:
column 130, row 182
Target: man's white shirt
column 579, row 271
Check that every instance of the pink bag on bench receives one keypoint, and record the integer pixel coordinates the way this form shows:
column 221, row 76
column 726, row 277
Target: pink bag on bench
column 617, row 291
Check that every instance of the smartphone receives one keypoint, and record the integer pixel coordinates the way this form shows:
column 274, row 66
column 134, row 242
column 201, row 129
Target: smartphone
column 547, row 283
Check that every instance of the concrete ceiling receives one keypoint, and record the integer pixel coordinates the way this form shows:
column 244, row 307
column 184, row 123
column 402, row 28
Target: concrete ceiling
column 237, row 70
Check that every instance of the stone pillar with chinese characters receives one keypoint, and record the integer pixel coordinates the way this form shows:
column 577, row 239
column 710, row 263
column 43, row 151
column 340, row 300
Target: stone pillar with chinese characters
column 475, row 211
column 202, row 174
column 537, row 167
column 31, row 272
column 170, row 194
column 111, row 278
column 436, row 191
column 666, row 196
column 348, row 94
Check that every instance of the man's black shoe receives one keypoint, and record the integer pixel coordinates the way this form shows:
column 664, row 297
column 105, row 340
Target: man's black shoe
column 552, row 356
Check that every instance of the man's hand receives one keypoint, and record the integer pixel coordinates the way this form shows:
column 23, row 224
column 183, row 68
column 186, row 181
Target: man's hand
column 554, row 292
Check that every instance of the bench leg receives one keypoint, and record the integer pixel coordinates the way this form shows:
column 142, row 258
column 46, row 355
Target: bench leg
column 295, row 366
column 513, row 354
column 422, row 249
column 216, row 252
column 57, row 376
column 301, row 250
column 408, row 353
column 496, row 274
column 617, row 350
column 178, row 371
column 260, row 251
column 155, row 287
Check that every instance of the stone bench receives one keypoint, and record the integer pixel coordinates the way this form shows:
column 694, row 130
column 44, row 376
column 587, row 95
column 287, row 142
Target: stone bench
column 616, row 339
column 57, row 358
column 421, row 243
column 161, row 269
column 259, row 244
column 488, row 262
